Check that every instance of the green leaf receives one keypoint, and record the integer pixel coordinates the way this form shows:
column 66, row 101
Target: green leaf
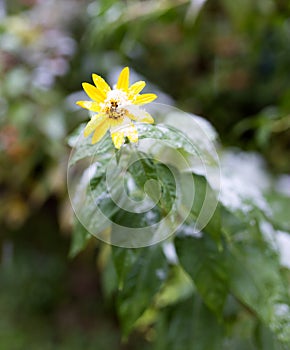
column 109, row 278
column 198, row 149
column 207, row 267
column 80, row 239
column 280, row 210
column 136, row 220
column 123, row 260
column 97, row 207
column 266, row 340
column 83, row 147
column 162, row 189
column 169, row 135
column 176, row 288
column 168, row 187
column 256, row 280
column 188, row 325
column 205, row 202
column 141, row 272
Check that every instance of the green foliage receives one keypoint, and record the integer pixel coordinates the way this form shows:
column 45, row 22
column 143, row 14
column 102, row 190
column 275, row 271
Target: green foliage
column 228, row 271
column 259, row 284
column 80, row 238
column 207, row 267
column 199, row 332
column 226, row 287
column 140, row 279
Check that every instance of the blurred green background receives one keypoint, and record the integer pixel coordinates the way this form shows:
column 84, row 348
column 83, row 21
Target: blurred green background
column 228, row 61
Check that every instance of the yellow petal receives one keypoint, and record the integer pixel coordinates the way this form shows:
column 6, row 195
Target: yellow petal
column 147, row 119
column 92, row 106
column 145, row 98
column 123, row 81
column 101, row 84
column 100, row 131
column 132, row 116
column 93, row 92
column 136, row 88
column 93, row 124
column 115, row 122
column 132, row 133
column 118, row 139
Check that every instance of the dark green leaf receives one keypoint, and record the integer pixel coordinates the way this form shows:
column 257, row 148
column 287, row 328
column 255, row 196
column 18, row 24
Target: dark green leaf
column 162, row 189
column 124, row 260
column 142, row 272
column 255, row 279
column 207, row 267
column 188, row 325
column 205, row 202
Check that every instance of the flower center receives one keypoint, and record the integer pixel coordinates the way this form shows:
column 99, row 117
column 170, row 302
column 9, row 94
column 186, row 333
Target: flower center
column 113, row 111
column 114, row 105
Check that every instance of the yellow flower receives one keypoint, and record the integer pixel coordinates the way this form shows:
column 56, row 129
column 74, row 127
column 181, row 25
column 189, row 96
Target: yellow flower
column 115, row 109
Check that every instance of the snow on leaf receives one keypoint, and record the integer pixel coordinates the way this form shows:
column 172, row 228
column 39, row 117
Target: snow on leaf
column 243, row 181
column 283, row 241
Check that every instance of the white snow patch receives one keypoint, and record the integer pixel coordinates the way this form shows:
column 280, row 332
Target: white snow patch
column 170, row 253
column 80, row 190
column 282, row 310
column 283, row 185
column 191, row 231
column 243, row 181
column 269, row 233
column 283, row 241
